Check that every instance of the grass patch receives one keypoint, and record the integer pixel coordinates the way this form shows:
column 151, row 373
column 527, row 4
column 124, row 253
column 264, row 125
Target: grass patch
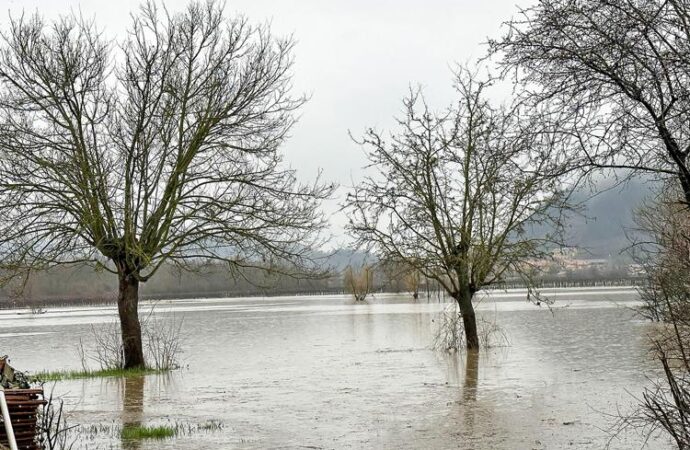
column 132, row 432
column 135, row 432
column 76, row 374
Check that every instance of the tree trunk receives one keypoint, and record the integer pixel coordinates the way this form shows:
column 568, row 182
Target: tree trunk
column 469, row 320
column 127, row 305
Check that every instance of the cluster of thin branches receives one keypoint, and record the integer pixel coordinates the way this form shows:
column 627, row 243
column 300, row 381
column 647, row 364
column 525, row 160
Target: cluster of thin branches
column 665, row 254
column 359, row 281
column 162, row 339
column 52, row 429
column 621, row 72
column 449, row 335
column 104, row 347
column 665, row 403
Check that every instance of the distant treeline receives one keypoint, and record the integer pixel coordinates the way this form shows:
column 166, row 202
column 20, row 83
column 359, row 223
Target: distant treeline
column 84, row 285
column 81, row 285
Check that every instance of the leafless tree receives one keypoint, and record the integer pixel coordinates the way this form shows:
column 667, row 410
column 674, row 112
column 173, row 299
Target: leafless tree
column 454, row 194
column 665, row 251
column 359, row 282
column 661, row 244
column 621, row 69
column 162, row 147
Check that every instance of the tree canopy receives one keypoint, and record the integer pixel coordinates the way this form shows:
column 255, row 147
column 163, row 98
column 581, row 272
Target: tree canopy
column 621, row 71
column 160, row 147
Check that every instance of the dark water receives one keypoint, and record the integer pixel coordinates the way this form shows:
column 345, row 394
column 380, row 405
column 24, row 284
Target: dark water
column 321, row 372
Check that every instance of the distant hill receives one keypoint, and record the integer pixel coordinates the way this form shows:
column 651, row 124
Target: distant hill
column 344, row 257
column 601, row 229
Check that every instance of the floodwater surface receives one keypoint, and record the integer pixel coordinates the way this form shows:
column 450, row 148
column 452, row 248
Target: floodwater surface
column 323, row 372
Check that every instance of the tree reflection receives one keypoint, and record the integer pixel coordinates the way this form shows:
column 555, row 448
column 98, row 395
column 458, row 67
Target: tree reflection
column 132, row 408
column 469, row 391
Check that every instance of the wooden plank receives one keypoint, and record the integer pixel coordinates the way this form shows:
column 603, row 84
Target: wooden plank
column 26, row 403
column 23, row 391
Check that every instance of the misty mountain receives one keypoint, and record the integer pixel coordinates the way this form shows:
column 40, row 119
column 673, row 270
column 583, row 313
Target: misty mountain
column 600, row 228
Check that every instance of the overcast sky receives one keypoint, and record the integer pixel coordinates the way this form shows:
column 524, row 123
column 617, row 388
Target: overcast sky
column 356, row 59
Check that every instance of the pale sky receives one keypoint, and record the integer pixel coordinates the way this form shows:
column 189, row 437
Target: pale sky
column 356, row 59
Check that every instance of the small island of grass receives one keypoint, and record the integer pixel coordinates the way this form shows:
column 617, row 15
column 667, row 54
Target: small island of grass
column 135, row 432
column 60, row 375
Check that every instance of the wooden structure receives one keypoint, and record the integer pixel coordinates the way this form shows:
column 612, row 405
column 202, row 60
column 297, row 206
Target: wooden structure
column 24, row 407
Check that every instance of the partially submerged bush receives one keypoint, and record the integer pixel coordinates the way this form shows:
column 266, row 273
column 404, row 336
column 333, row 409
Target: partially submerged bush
column 450, row 336
column 162, row 340
column 162, row 344
column 359, row 282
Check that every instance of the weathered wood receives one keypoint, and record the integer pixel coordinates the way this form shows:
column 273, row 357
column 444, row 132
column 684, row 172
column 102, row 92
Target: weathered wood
column 23, row 405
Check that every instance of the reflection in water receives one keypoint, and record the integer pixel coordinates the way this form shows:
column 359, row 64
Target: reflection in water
column 363, row 325
column 469, row 392
column 132, row 408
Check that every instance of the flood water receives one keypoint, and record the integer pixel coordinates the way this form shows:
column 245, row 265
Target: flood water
column 322, row 372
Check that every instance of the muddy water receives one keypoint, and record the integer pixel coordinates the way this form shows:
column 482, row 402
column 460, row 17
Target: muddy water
column 321, row 372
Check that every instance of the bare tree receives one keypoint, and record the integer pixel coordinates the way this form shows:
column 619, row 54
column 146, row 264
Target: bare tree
column 163, row 147
column 454, row 193
column 359, row 282
column 621, row 69
column 661, row 244
column 665, row 251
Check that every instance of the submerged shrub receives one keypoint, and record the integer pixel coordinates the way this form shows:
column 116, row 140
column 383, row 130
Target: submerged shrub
column 449, row 335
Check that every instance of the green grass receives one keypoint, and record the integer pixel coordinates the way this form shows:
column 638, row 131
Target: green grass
column 144, row 432
column 136, row 431
column 76, row 374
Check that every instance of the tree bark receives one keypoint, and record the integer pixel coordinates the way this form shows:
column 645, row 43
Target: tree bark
column 128, row 305
column 469, row 320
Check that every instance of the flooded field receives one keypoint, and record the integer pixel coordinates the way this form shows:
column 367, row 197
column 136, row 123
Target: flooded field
column 322, row 372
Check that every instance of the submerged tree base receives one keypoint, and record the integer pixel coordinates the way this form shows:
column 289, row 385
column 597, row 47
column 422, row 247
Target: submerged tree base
column 59, row 375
